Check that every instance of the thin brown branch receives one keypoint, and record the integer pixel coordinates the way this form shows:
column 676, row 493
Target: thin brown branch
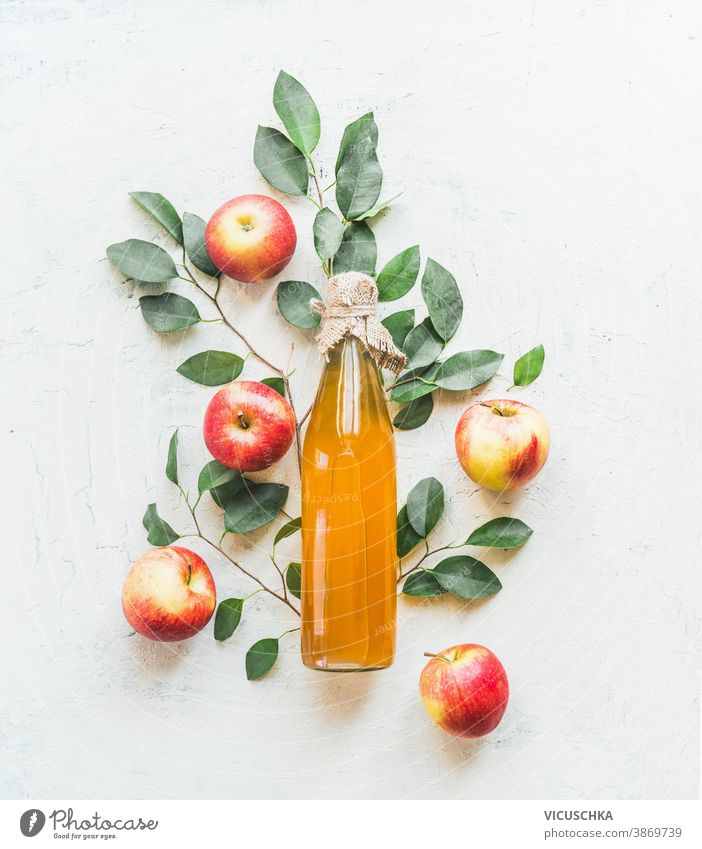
column 236, row 563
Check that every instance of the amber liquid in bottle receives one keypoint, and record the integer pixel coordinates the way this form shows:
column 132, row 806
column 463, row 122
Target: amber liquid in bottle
column 349, row 524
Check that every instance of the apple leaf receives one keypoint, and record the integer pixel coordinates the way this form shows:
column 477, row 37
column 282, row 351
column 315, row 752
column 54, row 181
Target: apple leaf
column 158, row 531
column 422, row 345
column 293, row 297
column 501, row 533
column 528, row 367
column 415, row 414
column 280, row 162
column 251, row 505
column 143, row 261
column 443, row 299
column 328, row 231
column 214, row 474
column 297, row 111
column 287, row 530
column 168, row 312
column 467, row 369
column 172, row 461
column 212, row 368
column 358, row 130
column 378, row 208
column 276, row 383
column 194, row 240
column 261, row 657
column 415, row 383
column 466, row 577
column 227, row 617
column 359, row 178
column 399, row 275
column 425, row 504
column 422, row 583
column 358, row 250
column 407, row 537
column 162, row 211
column 293, row 579
column 399, row 325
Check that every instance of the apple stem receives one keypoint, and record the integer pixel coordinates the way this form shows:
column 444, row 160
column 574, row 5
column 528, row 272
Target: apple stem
column 495, row 410
column 190, row 573
column 243, row 423
column 441, row 657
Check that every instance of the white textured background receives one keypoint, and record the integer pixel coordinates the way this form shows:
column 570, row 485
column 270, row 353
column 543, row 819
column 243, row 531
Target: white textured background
column 549, row 154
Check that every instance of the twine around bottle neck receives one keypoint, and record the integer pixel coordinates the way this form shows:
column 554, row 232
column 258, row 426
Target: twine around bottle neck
column 351, row 310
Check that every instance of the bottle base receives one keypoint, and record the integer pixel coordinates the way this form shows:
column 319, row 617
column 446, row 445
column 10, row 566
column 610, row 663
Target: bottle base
column 323, row 665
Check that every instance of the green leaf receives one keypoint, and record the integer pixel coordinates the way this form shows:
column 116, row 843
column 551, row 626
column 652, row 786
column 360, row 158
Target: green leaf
column 467, row 577
column 212, row 368
column 227, row 617
column 528, row 367
column 425, row 504
column 399, row 275
column 378, row 208
column 293, row 579
column 399, row 325
column 501, row 533
column 358, row 250
column 294, row 298
column 195, row 247
column 158, row 532
column 214, row 474
column 160, row 210
column 140, row 260
column 261, row 657
column 357, row 131
column 228, row 491
column 415, row 414
column 359, row 178
column 252, row 505
column 443, row 299
column 422, row 345
column 415, row 383
column 297, row 111
column 422, row 583
column 281, row 163
column 168, row 312
column 172, row 461
column 328, row 231
column 276, row 383
column 407, row 537
column 467, row 369
column 288, row 529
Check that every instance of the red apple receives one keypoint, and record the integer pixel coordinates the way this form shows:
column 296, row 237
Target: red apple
column 502, row 445
column 248, row 426
column 251, row 238
column 465, row 690
column 169, row 594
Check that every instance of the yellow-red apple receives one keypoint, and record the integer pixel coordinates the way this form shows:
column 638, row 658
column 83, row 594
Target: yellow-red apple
column 503, row 444
column 248, row 426
column 251, row 238
column 169, row 594
column 465, row 690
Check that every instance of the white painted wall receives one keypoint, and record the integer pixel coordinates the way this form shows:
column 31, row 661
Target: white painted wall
column 549, row 156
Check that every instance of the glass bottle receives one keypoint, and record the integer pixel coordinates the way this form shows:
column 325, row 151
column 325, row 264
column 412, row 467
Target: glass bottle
column 349, row 518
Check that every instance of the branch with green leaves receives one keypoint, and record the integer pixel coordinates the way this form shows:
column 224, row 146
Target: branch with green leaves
column 462, row 575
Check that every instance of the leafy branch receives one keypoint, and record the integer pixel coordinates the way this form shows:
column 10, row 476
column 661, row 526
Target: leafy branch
column 464, row 576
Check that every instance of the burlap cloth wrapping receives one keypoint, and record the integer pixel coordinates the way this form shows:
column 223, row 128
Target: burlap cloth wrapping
column 352, row 298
